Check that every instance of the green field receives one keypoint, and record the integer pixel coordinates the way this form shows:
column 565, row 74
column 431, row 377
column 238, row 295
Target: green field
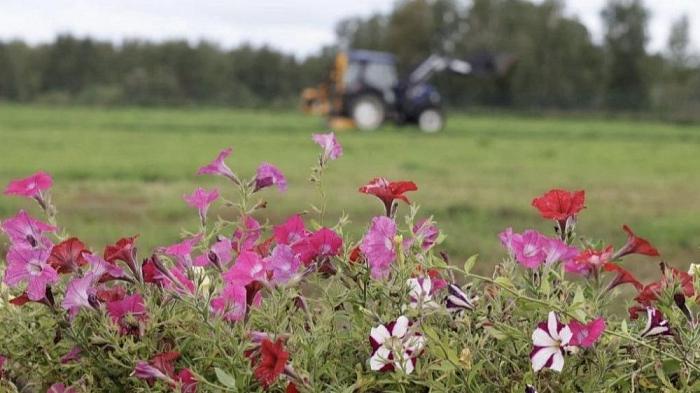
column 123, row 171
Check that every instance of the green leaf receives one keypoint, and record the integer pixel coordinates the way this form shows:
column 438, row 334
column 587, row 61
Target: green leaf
column 225, row 378
column 469, row 264
column 623, row 327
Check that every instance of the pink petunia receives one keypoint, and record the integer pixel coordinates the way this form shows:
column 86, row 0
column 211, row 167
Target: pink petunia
column 248, row 267
column 291, row 232
column 426, row 232
column 124, row 311
column 201, row 199
column 61, row 388
column 529, row 248
column 27, row 232
column 585, row 335
column 268, row 175
column 331, row 148
column 320, row 245
column 72, row 355
column 378, row 246
column 282, row 263
column 30, row 187
column 176, row 280
column 219, row 254
column 182, row 252
column 506, row 238
column 588, row 261
column 103, row 269
column 219, row 167
column 556, row 250
column 231, row 304
column 30, row 266
column 245, row 239
column 78, row 293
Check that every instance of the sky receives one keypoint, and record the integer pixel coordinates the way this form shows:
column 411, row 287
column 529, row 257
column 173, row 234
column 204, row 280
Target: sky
column 300, row 27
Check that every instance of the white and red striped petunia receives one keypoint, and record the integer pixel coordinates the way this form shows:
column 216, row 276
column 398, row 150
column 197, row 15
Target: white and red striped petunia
column 395, row 346
column 550, row 340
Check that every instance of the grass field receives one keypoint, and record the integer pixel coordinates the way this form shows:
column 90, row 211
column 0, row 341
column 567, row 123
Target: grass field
column 121, row 172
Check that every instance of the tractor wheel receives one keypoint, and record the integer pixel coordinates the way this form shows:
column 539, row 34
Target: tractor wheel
column 367, row 112
column 431, row 120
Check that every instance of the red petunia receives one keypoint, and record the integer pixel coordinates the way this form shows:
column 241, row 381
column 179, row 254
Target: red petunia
column 650, row 293
column 636, row 245
column 623, row 276
column 123, row 250
column 389, row 191
column 291, row 388
column 273, row 358
column 67, row 256
column 559, row 204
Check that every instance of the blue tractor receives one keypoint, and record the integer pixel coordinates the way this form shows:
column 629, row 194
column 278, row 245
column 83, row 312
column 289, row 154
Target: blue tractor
column 364, row 89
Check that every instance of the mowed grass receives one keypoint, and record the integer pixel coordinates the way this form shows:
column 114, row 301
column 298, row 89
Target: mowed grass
column 123, row 171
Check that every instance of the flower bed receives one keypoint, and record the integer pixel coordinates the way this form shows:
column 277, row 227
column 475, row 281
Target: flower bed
column 298, row 305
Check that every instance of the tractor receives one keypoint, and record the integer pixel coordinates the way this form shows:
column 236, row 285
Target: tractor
column 364, row 90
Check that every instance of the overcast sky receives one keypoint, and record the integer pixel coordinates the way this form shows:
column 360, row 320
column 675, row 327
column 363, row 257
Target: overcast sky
column 295, row 26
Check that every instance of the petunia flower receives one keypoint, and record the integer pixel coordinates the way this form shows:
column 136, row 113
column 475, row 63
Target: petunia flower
column 182, row 251
column 588, row 261
column 458, row 301
column 550, row 341
column 231, row 304
column 656, row 325
column 146, row 371
column 506, row 238
column 103, row 269
column 68, row 256
column 556, row 250
column 72, row 355
column 30, row 187
column 123, row 250
column 560, row 205
column 128, row 314
column 651, row 292
column 528, row 248
column 219, row 167
column 331, row 148
column 420, row 293
column 30, row 266
column 389, row 191
column 585, row 335
column 282, row 264
column 395, row 346
column 175, row 279
column 271, row 363
column 78, row 293
column 622, row 276
column 248, row 267
column 635, row 245
column 268, row 175
column 291, row 232
column 201, row 199
column 219, row 254
column 245, row 239
column 161, row 366
column 26, row 232
column 426, row 232
column 61, row 388
column 318, row 246
column 378, row 246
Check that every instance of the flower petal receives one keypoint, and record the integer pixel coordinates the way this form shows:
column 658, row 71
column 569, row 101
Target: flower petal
column 379, row 334
column 379, row 359
column 557, row 362
column 552, row 325
column 540, row 338
column 542, row 356
column 400, row 327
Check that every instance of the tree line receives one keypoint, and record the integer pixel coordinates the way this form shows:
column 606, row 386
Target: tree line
column 559, row 66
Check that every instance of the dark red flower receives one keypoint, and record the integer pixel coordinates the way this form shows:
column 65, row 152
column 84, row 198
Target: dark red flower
column 651, row 292
column 188, row 384
column 622, row 277
column 273, row 358
column 355, row 254
column 559, row 204
column 112, row 294
column 20, row 300
column 636, row 245
column 123, row 250
column 291, row 388
column 389, row 191
column 165, row 362
column 67, row 256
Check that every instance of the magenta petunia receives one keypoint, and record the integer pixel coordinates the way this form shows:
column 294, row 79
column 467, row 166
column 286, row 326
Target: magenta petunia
column 231, row 304
column 268, row 175
column 78, row 293
column 585, row 335
column 175, row 279
column 248, row 267
column 291, row 232
column 27, row 232
column 427, row 232
column 30, row 187
column 104, row 270
column 282, row 263
column 144, row 370
column 528, row 248
column 506, row 238
column 317, row 246
column 219, row 167
column 245, row 239
column 201, row 199
column 378, row 246
column 331, row 148
column 61, row 388
column 72, row 355
column 30, row 266
column 220, row 254
column 131, row 307
column 182, row 252
column 556, row 250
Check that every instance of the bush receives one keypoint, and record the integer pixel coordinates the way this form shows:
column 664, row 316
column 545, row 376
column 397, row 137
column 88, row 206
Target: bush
column 244, row 306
